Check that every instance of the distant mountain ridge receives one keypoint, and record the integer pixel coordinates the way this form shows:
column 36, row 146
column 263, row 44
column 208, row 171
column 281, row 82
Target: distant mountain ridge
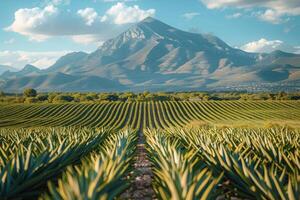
column 152, row 55
column 5, row 68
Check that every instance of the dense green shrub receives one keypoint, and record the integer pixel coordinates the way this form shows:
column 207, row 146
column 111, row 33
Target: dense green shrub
column 31, row 100
column 2, row 94
column 30, row 92
column 108, row 97
column 42, row 97
column 127, row 96
column 51, row 96
column 148, row 96
column 62, row 98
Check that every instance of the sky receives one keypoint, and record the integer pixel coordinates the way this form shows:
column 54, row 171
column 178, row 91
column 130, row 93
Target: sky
column 39, row 32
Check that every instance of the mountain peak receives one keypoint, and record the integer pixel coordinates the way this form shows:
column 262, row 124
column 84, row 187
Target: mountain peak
column 146, row 31
column 30, row 68
column 150, row 20
column 153, row 24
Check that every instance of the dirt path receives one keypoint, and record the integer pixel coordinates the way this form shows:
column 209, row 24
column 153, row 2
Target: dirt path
column 142, row 177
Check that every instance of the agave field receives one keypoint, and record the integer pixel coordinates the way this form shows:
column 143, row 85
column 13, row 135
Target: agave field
column 146, row 114
column 71, row 163
column 90, row 151
column 210, row 163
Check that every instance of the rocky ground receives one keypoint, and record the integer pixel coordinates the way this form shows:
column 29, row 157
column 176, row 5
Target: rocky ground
column 142, row 176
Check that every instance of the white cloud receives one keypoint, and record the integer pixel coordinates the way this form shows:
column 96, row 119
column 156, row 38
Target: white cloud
column 40, row 24
column 122, row 14
column 29, row 21
column 234, row 16
column 87, row 39
column 19, row 59
column 273, row 10
column 271, row 16
column 266, row 46
column 190, row 15
column 89, row 15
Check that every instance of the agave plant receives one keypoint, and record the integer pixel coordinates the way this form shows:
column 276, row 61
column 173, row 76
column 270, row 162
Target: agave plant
column 23, row 172
column 101, row 176
column 178, row 173
column 258, row 163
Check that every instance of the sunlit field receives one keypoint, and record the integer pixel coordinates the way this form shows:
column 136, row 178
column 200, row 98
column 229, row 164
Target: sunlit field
column 192, row 150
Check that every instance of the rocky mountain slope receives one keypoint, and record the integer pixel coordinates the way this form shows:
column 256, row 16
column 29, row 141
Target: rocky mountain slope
column 152, row 55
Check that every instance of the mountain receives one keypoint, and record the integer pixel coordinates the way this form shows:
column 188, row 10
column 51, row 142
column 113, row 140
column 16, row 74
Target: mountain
column 4, row 68
column 28, row 70
column 61, row 82
column 68, row 62
column 152, row 55
column 154, row 47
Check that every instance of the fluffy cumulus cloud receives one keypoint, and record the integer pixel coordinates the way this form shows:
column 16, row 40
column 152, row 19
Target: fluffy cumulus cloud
column 40, row 24
column 89, row 15
column 122, row 14
column 190, row 15
column 19, row 59
column 266, row 46
column 273, row 11
column 30, row 22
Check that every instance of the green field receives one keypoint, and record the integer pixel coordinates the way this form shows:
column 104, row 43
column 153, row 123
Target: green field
column 151, row 150
column 140, row 115
column 221, row 163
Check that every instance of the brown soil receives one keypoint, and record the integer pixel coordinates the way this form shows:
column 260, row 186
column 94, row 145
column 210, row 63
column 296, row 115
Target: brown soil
column 141, row 185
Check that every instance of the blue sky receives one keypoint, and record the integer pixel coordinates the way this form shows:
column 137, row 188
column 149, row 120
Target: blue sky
column 38, row 32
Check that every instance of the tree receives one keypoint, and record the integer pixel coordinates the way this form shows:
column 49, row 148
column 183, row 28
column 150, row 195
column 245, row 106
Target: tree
column 31, row 100
column 30, row 92
column 62, row 98
column 51, row 96
column 2, row 94
column 282, row 96
column 42, row 97
column 245, row 97
column 203, row 96
column 126, row 96
column 271, row 96
column 108, row 97
column 295, row 97
column 92, row 96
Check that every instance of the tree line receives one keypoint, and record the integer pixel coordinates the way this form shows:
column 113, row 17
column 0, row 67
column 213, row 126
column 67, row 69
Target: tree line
column 30, row 95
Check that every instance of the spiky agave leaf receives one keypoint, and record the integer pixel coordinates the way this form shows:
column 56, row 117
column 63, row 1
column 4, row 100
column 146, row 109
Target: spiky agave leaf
column 258, row 163
column 178, row 172
column 101, row 175
column 42, row 159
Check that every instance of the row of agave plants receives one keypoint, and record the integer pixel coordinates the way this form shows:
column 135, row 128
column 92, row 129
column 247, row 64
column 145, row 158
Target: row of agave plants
column 64, row 163
column 210, row 163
